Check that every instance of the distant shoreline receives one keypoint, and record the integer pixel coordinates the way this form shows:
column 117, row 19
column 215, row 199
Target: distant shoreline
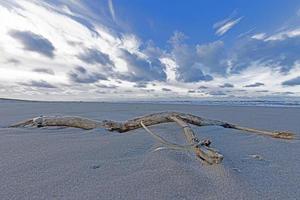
column 256, row 103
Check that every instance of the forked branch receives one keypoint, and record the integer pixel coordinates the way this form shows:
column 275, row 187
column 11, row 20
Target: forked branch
column 203, row 152
column 148, row 120
column 201, row 149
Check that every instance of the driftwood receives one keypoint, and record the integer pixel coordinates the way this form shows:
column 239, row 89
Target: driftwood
column 201, row 149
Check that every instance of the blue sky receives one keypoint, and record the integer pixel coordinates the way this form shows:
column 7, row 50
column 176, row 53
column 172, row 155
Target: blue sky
column 127, row 50
column 158, row 19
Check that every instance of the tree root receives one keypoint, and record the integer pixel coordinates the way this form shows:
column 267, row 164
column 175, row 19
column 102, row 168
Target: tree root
column 201, row 149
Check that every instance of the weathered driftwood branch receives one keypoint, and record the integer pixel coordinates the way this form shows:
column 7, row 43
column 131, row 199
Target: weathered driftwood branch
column 201, row 149
column 75, row 122
column 158, row 118
column 170, row 145
column 148, row 120
column 165, row 143
column 275, row 134
column 203, row 152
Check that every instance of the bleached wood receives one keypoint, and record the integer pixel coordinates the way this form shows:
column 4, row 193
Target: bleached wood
column 211, row 156
column 68, row 121
column 201, row 149
column 148, row 120
column 170, row 145
column 166, row 143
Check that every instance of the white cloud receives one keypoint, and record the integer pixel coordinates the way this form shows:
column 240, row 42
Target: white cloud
column 259, row 36
column 71, row 37
column 244, row 34
column 67, row 10
column 224, row 26
column 284, row 35
column 170, row 69
column 272, row 79
column 112, row 10
column 123, row 55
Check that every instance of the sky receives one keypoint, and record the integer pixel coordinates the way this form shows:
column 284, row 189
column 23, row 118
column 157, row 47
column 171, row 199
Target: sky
column 113, row 50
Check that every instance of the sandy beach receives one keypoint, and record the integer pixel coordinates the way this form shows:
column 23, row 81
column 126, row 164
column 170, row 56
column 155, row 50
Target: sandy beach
column 149, row 100
column 69, row 163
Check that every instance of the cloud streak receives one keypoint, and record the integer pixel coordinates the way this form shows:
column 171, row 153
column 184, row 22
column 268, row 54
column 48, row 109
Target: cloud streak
column 81, row 75
column 112, row 10
column 257, row 84
column 224, row 26
column 226, row 85
column 39, row 84
column 44, row 71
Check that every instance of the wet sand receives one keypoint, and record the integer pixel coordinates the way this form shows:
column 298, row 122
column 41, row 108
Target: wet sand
column 68, row 163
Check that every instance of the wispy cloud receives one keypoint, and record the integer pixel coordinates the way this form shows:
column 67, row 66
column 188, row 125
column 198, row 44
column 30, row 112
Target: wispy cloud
column 244, row 34
column 44, row 71
column 39, row 84
column 257, row 84
column 112, row 10
column 226, row 85
column 259, row 36
column 225, row 25
column 284, row 35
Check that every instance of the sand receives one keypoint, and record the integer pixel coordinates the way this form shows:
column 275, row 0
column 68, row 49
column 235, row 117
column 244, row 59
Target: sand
column 68, row 163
